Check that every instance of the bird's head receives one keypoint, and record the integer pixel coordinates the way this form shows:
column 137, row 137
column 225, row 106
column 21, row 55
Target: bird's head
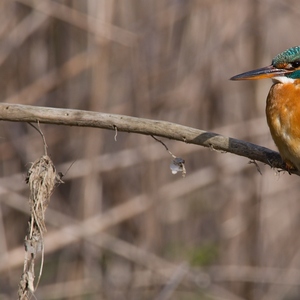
column 285, row 67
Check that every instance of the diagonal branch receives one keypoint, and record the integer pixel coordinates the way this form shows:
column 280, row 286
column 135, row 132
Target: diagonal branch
column 72, row 117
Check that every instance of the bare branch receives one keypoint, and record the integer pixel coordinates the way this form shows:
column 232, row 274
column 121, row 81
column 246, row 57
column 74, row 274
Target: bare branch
column 72, row 117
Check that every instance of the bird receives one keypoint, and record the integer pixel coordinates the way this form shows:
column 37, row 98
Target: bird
column 283, row 103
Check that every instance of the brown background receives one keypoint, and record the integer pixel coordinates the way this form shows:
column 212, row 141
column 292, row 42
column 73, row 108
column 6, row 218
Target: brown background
column 222, row 232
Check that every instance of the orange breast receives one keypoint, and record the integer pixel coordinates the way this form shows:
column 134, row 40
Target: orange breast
column 283, row 116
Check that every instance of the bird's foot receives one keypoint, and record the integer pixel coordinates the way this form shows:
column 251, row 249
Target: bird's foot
column 290, row 166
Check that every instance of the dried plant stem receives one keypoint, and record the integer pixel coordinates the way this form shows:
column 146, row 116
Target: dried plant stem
column 41, row 133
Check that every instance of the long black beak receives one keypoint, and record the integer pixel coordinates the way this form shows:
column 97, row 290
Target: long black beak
column 265, row 72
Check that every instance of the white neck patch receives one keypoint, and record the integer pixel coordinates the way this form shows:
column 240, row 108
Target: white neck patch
column 283, row 79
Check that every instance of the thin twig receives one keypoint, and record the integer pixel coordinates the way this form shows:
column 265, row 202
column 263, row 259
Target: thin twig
column 158, row 140
column 41, row 133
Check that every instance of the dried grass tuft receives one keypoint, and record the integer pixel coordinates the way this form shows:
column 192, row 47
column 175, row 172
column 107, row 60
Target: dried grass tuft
column 42, row 178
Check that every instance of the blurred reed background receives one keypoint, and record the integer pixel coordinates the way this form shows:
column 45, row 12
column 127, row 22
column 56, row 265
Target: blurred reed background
column 122, row 226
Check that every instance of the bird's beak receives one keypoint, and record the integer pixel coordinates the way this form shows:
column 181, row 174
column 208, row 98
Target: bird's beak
column 265, row 72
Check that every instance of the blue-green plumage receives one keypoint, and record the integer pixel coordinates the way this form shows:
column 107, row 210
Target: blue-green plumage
column 294, row 75
column 287, row 56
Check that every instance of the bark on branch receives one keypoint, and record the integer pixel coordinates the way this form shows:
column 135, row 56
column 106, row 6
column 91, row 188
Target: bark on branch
column 72, row 117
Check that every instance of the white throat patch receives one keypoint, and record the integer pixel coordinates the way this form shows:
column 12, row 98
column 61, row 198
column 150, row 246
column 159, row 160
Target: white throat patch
column 283, row 79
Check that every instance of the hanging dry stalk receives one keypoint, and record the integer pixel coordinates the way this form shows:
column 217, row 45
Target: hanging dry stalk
column 42, row 178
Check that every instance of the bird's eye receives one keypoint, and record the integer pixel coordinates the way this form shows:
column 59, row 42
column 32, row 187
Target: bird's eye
column 295, row 64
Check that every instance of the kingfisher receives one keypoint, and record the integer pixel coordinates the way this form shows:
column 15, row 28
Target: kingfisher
column 283, row 103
